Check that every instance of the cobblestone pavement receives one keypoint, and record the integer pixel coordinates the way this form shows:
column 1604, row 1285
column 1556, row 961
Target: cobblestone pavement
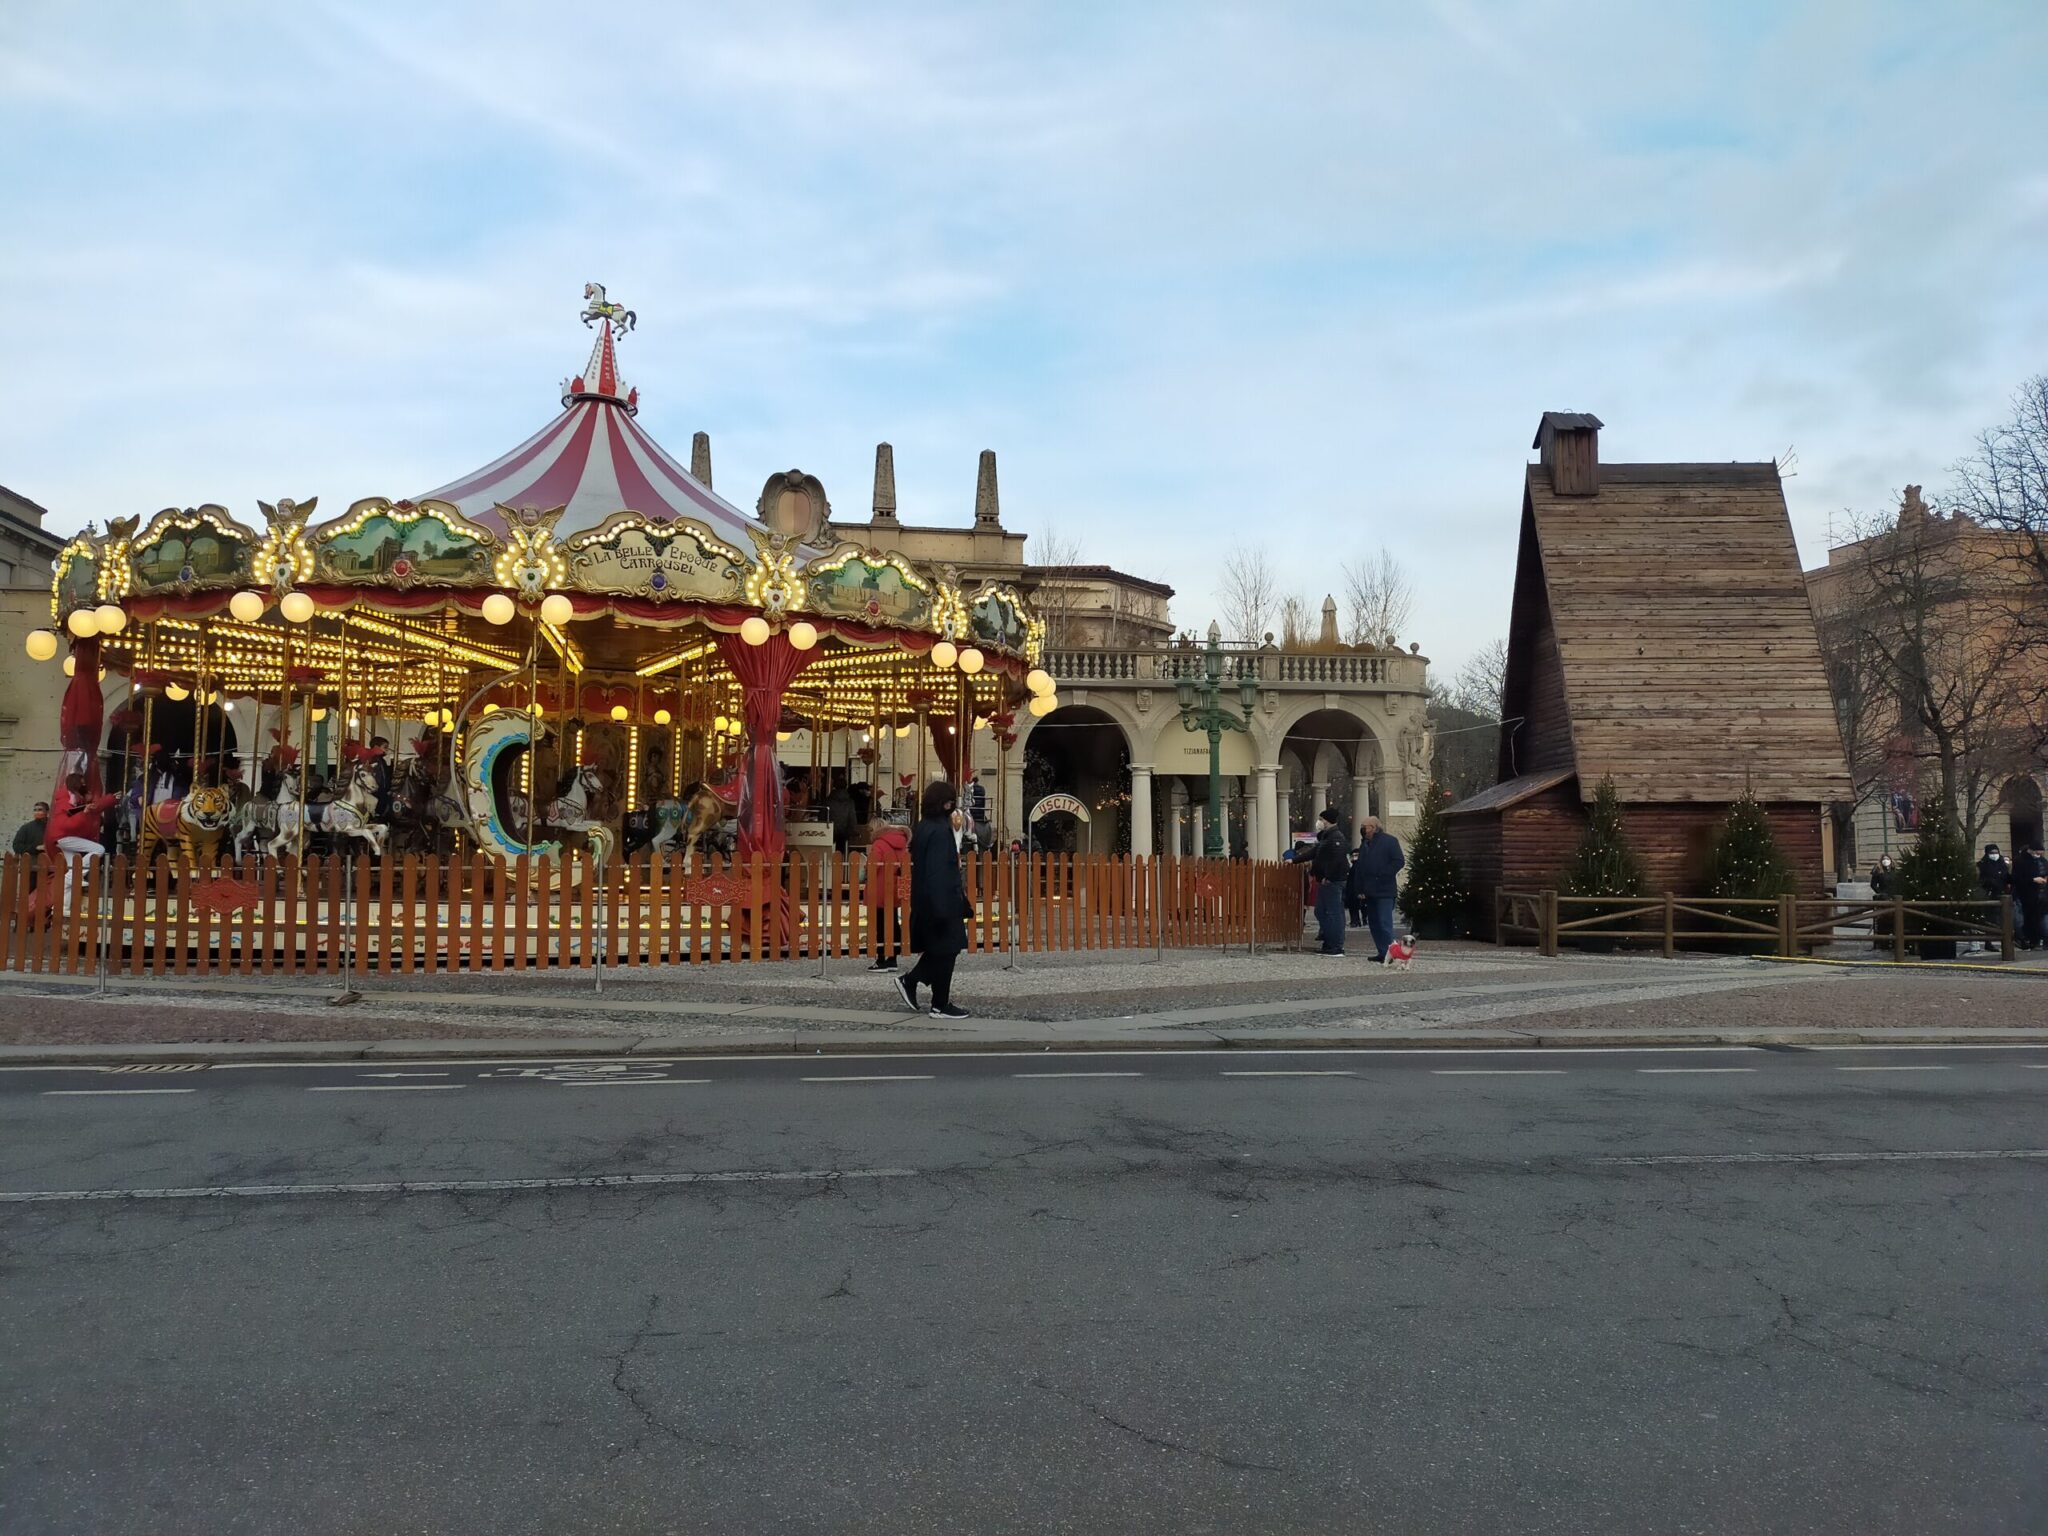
column 1121, row 996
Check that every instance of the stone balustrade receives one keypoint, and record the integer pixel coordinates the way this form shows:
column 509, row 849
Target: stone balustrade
column 1273, row 669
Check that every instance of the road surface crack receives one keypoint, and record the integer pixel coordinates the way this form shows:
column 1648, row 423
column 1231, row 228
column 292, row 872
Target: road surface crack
column 1159, row 1442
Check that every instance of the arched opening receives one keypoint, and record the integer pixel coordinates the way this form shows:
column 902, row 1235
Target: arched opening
column 1080, row 751
column 2022, row 800
column 1332, row 759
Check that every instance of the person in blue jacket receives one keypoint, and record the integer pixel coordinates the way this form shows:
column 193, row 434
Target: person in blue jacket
column 1373, row 884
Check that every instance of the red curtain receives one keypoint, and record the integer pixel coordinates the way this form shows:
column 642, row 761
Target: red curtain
column 763, row 672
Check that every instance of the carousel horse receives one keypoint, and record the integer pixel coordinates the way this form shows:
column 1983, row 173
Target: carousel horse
column 654, row 827
column 346, row 818
column 425, row 816
column 597, row 307
column 571, row 815
column 707, row 808
column 197, row 823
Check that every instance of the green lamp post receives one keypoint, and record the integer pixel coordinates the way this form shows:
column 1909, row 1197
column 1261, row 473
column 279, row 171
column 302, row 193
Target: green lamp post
column 1202, row 709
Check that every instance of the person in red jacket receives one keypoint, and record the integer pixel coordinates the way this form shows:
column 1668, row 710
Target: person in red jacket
column 890, row 849
column 76, row 827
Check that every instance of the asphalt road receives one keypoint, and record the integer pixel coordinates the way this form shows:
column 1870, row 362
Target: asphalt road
column 1714, row 1291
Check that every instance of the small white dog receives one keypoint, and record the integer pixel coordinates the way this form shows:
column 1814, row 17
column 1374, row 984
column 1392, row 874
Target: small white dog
column 1401, row 951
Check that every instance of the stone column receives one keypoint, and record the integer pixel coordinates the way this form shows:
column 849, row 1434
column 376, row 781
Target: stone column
column 1322, row 798
column 1284, row 819
column 1265, row 844
column 1361, row 801
column 1141, row 810
column 1012, row 790
column 1196, row 842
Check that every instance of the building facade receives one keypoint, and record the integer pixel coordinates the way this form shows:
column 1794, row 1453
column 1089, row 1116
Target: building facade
column 29, row 693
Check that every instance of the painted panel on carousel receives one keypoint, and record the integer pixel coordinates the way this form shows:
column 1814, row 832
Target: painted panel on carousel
column 404, row 544
column 996, row 616
column 632, row 555
column 869, row 586
column 490, row 766
column 198, row 547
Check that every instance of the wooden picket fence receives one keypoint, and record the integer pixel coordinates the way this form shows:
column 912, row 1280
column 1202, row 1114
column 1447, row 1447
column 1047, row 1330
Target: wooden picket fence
column 429, row 914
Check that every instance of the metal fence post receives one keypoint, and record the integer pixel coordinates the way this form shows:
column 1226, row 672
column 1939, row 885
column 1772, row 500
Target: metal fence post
column 597, row 945
column 350, row 915
column 2005, row 927
column 1159, row 907
column 103, row 917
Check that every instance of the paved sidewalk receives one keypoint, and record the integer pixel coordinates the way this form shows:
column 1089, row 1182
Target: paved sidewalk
column 1459, row 994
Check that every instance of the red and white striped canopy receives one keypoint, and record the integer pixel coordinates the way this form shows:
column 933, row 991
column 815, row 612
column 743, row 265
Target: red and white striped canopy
column 595, row 460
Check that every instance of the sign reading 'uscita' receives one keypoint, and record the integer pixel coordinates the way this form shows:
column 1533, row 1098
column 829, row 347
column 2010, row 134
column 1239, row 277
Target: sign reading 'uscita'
column 1052, row 803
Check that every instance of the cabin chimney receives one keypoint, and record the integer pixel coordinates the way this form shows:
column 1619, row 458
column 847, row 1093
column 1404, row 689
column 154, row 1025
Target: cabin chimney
column 988, row 513
column 885, row 483
column 700, row 459
column 1569, row 442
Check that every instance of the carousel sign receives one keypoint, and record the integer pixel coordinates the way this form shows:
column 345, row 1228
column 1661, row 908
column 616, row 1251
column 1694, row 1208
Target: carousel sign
column 635, row 556
column 1052, row 803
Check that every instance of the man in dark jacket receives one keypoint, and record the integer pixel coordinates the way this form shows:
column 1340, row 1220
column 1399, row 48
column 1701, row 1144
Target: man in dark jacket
column 1373, row 881
column 938, row 906
column 1330, row 865
column 2030, row 895
column 1994, row 878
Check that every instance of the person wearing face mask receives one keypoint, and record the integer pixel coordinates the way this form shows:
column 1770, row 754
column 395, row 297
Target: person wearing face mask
column 1884, row 885
column 939, row 908
column 1994, row 877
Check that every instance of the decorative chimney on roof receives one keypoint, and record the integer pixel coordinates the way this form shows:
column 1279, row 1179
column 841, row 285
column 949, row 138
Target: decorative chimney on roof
column 885, row 484
column 700, row 459
column 988, row 512
column 1570, row 449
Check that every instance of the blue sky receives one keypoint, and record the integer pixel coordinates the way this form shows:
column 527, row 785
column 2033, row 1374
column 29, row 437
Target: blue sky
column 1201, row 275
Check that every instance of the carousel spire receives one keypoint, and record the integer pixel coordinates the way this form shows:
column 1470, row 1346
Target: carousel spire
column 599, row 379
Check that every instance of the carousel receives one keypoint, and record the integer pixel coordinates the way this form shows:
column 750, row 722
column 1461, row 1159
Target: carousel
column 579, row 648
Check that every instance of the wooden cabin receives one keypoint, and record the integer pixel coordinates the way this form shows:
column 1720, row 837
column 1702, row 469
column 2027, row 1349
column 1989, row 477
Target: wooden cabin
column 1661, row 636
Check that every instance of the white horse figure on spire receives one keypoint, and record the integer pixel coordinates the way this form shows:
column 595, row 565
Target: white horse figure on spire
column 597, row 307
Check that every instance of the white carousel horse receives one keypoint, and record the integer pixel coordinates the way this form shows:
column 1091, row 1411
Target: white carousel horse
column 348, row 817
column 597, row 307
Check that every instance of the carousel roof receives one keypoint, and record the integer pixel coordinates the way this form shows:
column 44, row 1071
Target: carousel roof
column 596, row 460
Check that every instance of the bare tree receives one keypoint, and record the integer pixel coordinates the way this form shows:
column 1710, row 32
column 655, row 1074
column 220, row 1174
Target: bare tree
column 2002, row 483
column 1378, row 599
column 1057, row 601
column 1479, row 683
column 1249, row 594
column 1297, row 627
column 1929, row 668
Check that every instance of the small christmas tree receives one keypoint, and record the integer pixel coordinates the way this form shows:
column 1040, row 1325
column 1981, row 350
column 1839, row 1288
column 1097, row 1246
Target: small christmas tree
column 1434, row 894
column 1744, row 860
column 1605, row 864
column 1938, row 868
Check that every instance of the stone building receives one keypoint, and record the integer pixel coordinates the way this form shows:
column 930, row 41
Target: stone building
column 1333, row 725
column 29, row 691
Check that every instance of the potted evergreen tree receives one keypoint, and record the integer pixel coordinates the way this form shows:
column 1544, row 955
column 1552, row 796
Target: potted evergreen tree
column 1605, row 864
column 1744, row 863
column 1938, row 868
column 1434, row 897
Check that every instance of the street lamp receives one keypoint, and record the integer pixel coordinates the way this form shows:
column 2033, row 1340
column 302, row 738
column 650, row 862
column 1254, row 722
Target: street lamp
column 1202, row 709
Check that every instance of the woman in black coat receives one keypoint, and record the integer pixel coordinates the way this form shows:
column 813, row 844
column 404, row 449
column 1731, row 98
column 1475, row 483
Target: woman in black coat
column 938, row 906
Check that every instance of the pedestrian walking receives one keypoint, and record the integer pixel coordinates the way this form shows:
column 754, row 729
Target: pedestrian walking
column 1374, row 878
column 1994, row 877
column 888, row 867
column 1330, row 865
column 938, row 905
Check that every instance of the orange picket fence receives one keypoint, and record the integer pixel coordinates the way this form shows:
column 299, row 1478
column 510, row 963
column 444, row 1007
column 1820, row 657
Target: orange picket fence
column 413, row 914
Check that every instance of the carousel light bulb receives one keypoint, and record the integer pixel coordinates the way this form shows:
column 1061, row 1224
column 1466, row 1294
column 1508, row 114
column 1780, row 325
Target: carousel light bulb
column 1040, row 682
column 662, row 717
column 1043, row 705
column 42, row 644
column 319, row 714
column 971, row 661
column 353, row 720
column 176, row 692
column 246, row 606
column 718, row 726
column 112, row 617
column 296, row 607
column 71, row 666
column 556, row 609
column 732, row 728
column 803, row 634
column 981, row 722
column 944, row 654
column 229, row 706
column 783, row 735
column 498, row 608
column 755, row 630
column 902, row 730
column 489, row 709
column 83, row 622
column 620, row 712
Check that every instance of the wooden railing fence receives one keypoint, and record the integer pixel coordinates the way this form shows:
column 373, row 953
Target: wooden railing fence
column 431, row 914
column 1787, row 926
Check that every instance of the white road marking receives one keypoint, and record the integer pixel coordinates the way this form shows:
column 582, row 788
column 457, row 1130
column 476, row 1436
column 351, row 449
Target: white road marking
column 1077, row 1074
column 451, row 1186
column 1497, row 1072
column 1297, row 1072
column 1827, row 1157
column 1668, row 1071
column 639, row 1082
column 405, row 1074
column 1892, row 1069
column 107, row 1093
column 385, row 1087
column 899, row 1077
